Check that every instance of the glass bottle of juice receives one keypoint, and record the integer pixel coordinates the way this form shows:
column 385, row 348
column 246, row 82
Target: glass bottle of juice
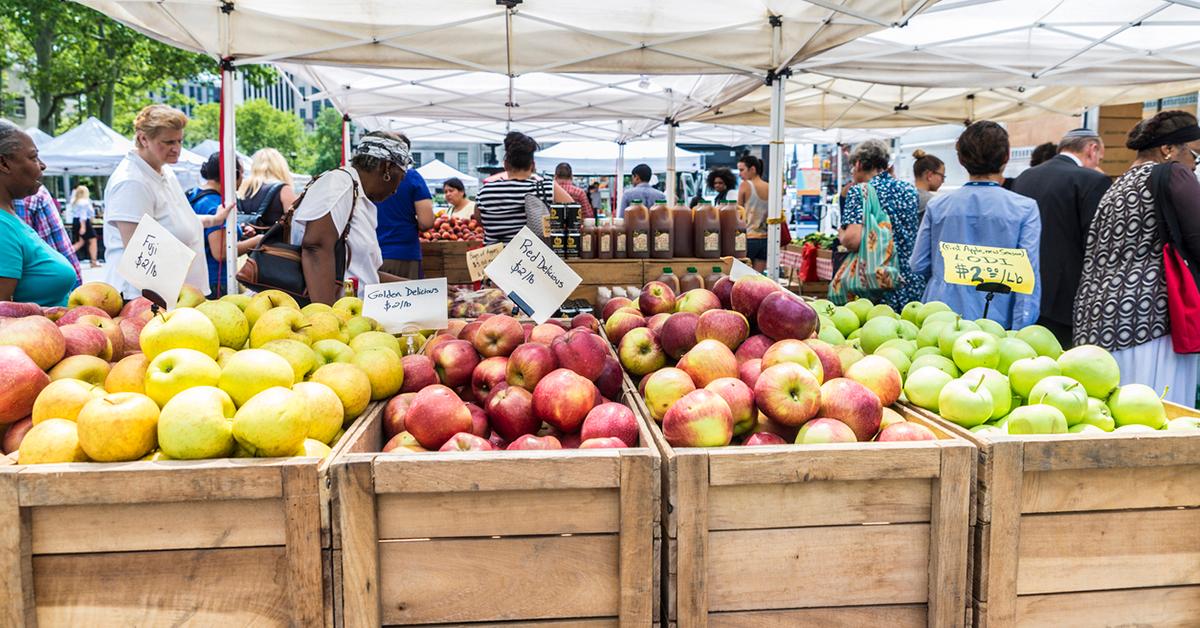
column 691, row 280
column 618, row 239
column 662, row 231
column 729, row 223
column 683, row 231
column 713, row 278
column 706, row 227
column 587, row 240
column 637, row 231
column 604, row 238
column 739, row 237
column 670, row 279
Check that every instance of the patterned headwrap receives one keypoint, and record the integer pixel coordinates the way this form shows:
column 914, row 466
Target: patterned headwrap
column 385, row 148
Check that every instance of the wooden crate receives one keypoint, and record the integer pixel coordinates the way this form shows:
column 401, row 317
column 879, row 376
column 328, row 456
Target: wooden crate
column 605, row 272
column 871, row 534
column 1087, row 530
column 206, row 542
column 447, row 259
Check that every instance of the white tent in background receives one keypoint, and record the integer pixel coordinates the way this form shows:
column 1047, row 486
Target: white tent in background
column 92, row 148
column 601, row 157
column 208, row 147
column 436, row 172
column 40, row 138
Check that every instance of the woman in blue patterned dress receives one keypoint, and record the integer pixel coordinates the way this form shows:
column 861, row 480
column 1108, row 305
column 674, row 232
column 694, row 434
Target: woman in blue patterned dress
column 899, row 199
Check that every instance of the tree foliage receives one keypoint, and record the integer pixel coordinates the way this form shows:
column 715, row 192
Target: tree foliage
column 325, row 143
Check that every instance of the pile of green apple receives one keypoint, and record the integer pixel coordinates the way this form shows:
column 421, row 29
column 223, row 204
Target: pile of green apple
column 990, row 380
column 240, row 376
column 745, row 362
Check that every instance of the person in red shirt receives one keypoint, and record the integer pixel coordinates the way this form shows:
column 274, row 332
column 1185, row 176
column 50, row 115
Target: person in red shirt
column 565, row 180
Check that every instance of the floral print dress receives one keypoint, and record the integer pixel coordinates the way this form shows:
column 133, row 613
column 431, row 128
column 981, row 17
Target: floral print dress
column 900, row 201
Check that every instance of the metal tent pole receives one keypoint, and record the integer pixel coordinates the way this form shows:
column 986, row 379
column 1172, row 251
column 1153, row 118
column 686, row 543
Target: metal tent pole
column 229, row 173
column 345, row 140
column 778, row 83
column 619, row 191
column 672, row 128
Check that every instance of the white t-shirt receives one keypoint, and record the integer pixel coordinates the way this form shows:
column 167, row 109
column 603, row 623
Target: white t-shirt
column 135, row 190
column 331, row 194
column 82, row 210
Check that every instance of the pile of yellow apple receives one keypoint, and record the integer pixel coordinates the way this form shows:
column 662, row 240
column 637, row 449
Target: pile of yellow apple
column 241, row 376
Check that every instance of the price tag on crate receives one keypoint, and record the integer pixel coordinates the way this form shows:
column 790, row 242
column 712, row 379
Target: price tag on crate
column 478, row 260
column 406, row 306
column 739, row 269
column 536, row 279
column 967, row 265
column 156, row 263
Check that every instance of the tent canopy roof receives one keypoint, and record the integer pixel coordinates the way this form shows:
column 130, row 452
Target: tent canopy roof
column 601, row 157
column 437, row 171
column 93, row 148
column 40, row 138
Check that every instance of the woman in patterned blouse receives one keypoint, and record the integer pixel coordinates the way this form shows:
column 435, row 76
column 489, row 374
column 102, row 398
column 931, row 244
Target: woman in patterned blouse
column 899, row 199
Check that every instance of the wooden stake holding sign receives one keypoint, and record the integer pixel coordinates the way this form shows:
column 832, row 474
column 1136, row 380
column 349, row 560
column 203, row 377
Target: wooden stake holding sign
column 532, row 276
column 156, row 263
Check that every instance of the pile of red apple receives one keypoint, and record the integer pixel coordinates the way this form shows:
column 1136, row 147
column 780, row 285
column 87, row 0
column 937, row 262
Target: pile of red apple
column 497, row 383
column 742, row 361
column 448, row 228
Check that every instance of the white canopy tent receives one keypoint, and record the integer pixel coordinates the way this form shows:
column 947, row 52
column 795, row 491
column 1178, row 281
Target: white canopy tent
column 93, row 148
column 601, row 157
column 436, row 172
column 40, row 138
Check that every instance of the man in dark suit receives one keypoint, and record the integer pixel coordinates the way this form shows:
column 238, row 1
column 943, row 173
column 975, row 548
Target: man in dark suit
column 1067, row 189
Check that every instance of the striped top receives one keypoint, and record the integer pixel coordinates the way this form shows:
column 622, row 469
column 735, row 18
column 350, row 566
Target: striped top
column 501, row 206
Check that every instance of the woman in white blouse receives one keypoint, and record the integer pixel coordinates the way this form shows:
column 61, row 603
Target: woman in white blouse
column 145, row 185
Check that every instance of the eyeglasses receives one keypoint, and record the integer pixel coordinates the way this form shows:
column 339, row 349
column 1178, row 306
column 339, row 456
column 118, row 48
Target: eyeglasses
column 940, row 174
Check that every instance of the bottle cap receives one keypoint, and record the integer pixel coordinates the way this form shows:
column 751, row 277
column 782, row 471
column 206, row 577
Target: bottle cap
column 666, row 270
column 717, row 269
column 691, row 269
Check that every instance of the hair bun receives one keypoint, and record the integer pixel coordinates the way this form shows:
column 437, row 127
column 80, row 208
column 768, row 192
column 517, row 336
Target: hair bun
column 919, row 154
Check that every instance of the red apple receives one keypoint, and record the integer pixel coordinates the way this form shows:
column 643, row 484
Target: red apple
column 795, row 351
column 563, row 398
column 582, row 352
column 697, row 301
column 723, row 289
column 587, row 321
column 621, row 322
column 749, row 371
column 748, row 292
column 131, row 331
column 546, row 333
column 611, row 419
column 469, row 331
column 726, row 326
column 418, row 373
column 54, row 313
column 21, row 380
column 640, row 352
column 465, row 441
column 788, row 393
column 529, row 363
column 487, row 374
column 656, row 297
column 655, row 323
column 37, row 336
column 14, row 434
column 436, row 341
column 740, row 399
column 880, row 375
column 700, row 419
column 454, row 328
column 831, row 365
column 853, row 404
column 609, row 382
column 613, row 305
column 455, row 362
column 111, row 329
column 782, row 314
column 498, row 336
column 84, row 339
column 663, row 388
column 13, row 309
column 497, row 441
column 526, row 330
column 607, row 442
column 401, row 443
column 755, row 347
column 435, row 415
column 678, row 334
column 530, row 442
column 570, row 441
column 479, row 421
column 510, row 413
column 137, row 308
column 73, row 315
column 905, row 431
column 763, row 438
column 708, row 361
column 824, row 430
column 394, row 413
column 785, row 432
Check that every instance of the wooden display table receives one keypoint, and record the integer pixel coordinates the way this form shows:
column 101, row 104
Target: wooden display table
column 635, row 272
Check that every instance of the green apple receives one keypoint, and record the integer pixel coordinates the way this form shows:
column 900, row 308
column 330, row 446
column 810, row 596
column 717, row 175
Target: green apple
column 829, row 332
column 1063, row 393
column 376, row 340
column 323, row 409
column 844, row 319
column 975, row 349
column 329, row 351
column 848, row 354
column 950, row 333
column 279, row 323
column 1084, row 428
column 991, row 327
column 988, row 430
column 197, row 424
column 1135, row 428
column 1098, row 415
column 1042, row 340
column 231, row 324
column 854, row 337
column 861, row 308
column 878, row 331
column 939, row 361
column 1183, row 424
column 1135, row 404
column 359, row 324
column 1011, row 350
column 924, row 385
column 312, row 448
column 910, row 312
column 271, row 423
column 181, row 328
column 241, row 300
column 1025, row 373
column 325, row 326
column 882, row 309
column 941, row 317
column 301, row 356
column 265, row 301
column 824, row 307
column 253, row 371
column 909, row 331
column 928, row 334
column 908, row 347
column 172, row 372
column 383, row 369
column 997, row 385
column 897, row 357
column 350, row 305
column 928, row 309
column 965, row 402
column 924, row 351
column 1037, row 419
column 1093, row 367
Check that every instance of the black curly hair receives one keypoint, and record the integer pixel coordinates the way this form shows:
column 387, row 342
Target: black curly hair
column 724, row 174
column 1145, row 134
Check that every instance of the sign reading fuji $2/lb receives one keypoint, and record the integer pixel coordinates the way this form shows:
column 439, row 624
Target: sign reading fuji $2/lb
column 156, row 262
column 536, row 279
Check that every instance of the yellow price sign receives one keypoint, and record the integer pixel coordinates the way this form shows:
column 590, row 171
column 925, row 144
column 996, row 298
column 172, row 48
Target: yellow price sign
column 968, row 265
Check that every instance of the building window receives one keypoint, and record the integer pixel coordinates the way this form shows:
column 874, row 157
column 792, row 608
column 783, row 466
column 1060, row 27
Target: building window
column 462, row 162
column 440, row 157
column 416, row 160
column 15, row 106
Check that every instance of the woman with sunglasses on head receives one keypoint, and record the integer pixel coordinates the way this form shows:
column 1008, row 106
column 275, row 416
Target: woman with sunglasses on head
column 1122, row 300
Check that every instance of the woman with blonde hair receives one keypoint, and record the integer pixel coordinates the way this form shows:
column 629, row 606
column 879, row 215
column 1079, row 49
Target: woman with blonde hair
column 268, row 190
column 145, row 185
column 81, row 212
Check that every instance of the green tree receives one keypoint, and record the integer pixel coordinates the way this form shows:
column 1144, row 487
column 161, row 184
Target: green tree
column 259, row 125
column 325, row 142
column 205, row 124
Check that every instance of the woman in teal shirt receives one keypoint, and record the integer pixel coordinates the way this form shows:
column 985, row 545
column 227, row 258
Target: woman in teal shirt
column 30, row 270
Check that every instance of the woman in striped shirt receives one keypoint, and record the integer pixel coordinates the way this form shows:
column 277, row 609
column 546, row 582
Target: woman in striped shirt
column 500, row 204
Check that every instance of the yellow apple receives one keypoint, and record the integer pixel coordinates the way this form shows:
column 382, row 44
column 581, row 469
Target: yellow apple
column 177, row 370
column 265, row 301
column 279, row 323
column 223, row 355
column 51, row 441
column 329, row 351
column 352, row 386
column 184, row 328
column 253, row 371
column 197, row 424
column 63, row 399
column 271, row 423
column 312, row 448
column 325, row 326
column 241, row 300
column 97, row 294
column 189, row 296
column 301, row 356
column 376, row 339
column 383, row 369
column 231, row 324
column 128, row 375
column 156, row 456
column 353, row 305
column 360, row 324
column 118, row 427
column 323, row 408
column 313, row 308
column 342, row 315
column 88, row 368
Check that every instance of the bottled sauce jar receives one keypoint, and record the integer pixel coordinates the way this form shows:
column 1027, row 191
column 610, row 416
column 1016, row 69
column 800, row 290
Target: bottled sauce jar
column 706, row 225
column 587, row 240
column 691, row 280
column 604, row 239
column 683, row 231
column 618, row 239
column 662, row 230
column 713, row 278
column 637, row 231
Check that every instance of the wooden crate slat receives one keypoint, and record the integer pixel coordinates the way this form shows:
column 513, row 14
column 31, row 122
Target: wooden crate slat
column 691, row 544
column 356, row 540
column 1074, row 451
column 302, row 531
column 1168, row 607
column 140, row 483
column 948, row 537
column 545, row 577
column 16, row 556
column 815, row 567
column 1125, row 488
column 205, row 587
column 172, row 525
column 498, row 513
column 898, row 616
column 597, row 622
column 531, row 470
column 802, row 504
column 1108, row 550
column 780, row 464
column 637, row 516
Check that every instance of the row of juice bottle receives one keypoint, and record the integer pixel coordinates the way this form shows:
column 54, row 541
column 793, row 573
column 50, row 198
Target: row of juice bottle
column 690, row 280
column 662, row 232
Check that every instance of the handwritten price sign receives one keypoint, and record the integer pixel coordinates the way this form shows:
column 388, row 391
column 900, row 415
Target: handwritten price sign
column 156, row 262
column 968, row 265
column 478, row 260
column 536, row 279
column 404, row 306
